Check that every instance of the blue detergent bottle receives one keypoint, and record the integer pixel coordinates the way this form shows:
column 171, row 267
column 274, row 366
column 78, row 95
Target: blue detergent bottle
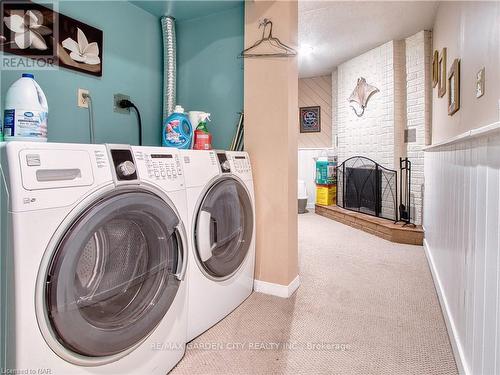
column 177, row 130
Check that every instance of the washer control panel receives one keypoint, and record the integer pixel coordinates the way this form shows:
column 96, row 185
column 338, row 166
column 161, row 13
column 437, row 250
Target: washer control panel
column 161, row 165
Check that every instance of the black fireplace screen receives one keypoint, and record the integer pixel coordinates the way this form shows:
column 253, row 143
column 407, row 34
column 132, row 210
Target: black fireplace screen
column 365, row 186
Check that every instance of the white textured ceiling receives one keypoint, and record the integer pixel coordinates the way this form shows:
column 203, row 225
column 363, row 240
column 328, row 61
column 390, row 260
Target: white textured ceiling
column 332, row 32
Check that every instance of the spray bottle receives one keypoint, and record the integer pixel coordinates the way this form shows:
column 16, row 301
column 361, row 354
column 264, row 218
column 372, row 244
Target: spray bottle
column 202, row 138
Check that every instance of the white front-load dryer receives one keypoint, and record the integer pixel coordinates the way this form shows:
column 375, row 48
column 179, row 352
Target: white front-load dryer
column 92, row 270
column 221, row 234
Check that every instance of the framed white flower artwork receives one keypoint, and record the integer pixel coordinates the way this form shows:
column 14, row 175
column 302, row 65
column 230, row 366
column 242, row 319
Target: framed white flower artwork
column 27, row 30
column 80, row 46
column 37, row 32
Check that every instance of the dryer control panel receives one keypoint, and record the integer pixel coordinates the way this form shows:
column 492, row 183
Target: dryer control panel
column 240, row 164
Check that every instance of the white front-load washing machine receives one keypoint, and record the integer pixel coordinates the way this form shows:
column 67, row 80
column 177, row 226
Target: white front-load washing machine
column 92, row 269
column 221, row 234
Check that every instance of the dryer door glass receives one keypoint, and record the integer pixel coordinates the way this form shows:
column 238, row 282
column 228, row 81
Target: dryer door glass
column 224, row 227
column 112, row 277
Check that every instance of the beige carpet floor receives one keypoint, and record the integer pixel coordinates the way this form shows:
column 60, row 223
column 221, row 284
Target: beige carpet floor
column 365, row 306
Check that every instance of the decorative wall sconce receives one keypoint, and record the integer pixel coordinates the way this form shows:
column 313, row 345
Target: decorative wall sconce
column 360, row 96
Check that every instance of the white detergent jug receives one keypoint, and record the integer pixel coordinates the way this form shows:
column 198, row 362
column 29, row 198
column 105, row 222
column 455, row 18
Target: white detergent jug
column 26, row 111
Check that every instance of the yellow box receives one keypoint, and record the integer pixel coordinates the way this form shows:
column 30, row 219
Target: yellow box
column 326, row 194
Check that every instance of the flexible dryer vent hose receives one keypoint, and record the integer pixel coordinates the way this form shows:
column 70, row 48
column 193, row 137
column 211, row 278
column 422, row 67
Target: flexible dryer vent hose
column 169, row 65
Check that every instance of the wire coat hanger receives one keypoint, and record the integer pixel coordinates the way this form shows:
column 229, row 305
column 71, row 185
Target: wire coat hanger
column 286, row 51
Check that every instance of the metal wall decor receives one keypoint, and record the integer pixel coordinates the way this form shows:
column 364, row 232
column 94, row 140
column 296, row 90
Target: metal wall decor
column 360, row 96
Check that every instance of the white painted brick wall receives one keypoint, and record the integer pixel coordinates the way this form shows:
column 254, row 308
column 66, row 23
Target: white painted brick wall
column 335, row 112
column 379, row 133
column 418, row 68
column 401, row 71
column 371, row 135
column 399, row 101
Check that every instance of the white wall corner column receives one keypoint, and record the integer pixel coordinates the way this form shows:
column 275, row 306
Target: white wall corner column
column 271, row 133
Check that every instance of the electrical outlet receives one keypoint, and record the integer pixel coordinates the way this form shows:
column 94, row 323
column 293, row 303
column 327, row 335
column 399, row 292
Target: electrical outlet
column 116, row 100
column 81, row 101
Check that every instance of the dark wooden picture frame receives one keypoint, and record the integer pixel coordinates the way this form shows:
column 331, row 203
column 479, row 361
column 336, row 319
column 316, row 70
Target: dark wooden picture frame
column 310, row 119
column 71, row 29
column 36, row 45
column 56, row 38
column 435, row 68
column 454, row 88
column 442, row 73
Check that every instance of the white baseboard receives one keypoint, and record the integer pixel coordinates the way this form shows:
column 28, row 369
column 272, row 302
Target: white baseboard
column 458, row 350
column 283, row 291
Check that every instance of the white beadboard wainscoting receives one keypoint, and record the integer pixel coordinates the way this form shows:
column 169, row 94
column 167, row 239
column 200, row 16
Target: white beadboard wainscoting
column 307, row 170
column 462, row 243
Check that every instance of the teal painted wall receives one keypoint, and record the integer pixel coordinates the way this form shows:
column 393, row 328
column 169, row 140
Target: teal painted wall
column 209, row 74
column 132, row 65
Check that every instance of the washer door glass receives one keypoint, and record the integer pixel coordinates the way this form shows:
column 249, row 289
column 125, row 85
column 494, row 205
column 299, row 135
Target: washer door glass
column 223, row 229
column 112, row 277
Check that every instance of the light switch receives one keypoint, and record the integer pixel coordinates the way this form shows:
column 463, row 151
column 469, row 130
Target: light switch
column 410, row 135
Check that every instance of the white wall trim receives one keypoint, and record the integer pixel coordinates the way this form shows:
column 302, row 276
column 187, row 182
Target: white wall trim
column 458, row 350
column 283, row 291
column 468, row 135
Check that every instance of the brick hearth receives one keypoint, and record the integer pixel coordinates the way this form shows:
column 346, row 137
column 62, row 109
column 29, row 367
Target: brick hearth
column 379, row 227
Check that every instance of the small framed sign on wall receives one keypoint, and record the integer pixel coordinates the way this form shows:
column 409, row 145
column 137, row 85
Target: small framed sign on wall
column 310, row 119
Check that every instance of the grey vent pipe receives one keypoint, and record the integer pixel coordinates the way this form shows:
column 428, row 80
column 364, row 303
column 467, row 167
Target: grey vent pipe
column 169, row 64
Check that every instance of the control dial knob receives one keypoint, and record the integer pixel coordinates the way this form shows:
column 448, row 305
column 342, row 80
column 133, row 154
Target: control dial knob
column 125, row 169
column 226, row 167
